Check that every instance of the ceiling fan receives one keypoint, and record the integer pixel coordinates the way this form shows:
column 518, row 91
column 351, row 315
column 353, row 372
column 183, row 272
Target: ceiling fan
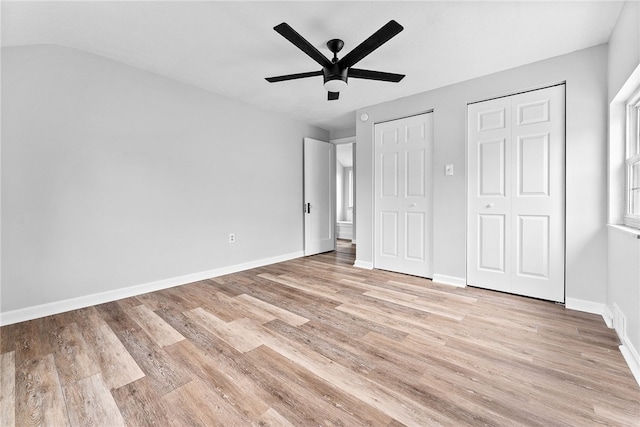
column 336, row 71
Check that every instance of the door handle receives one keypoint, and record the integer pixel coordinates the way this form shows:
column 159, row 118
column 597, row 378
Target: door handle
column 490, row 205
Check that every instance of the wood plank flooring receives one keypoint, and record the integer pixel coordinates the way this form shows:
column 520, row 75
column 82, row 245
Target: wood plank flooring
column 314, row 341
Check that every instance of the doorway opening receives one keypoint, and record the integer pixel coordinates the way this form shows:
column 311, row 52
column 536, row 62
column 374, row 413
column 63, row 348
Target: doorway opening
column 345, row 191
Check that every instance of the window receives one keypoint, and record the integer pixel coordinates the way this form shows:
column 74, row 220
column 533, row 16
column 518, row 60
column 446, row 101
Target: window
column 632, row 216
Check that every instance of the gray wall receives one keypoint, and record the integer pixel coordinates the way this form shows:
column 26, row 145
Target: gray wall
column 585, row 72
column 624, row 47
column 114, row 177
column 343, row 133
column 623, row 274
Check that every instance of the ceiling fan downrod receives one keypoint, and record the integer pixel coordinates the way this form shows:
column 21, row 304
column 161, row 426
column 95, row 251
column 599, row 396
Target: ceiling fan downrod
column 335, row 46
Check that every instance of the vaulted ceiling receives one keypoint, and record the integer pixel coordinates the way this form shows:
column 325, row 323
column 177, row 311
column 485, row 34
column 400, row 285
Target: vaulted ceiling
column 230, row 47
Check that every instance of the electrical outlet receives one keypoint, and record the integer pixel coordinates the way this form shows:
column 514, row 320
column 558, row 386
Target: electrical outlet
column 232, row 238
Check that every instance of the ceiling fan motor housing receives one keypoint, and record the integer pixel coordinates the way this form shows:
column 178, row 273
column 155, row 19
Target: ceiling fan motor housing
column 335, row 78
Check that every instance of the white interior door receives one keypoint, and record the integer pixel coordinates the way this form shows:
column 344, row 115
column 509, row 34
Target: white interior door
column 489, row 172
column 403, row 195
column 319, row 196
column 516, row 199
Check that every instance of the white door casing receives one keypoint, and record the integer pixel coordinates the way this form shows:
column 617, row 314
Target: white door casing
column 403, row 195
column 516, row 198
column 319, row 196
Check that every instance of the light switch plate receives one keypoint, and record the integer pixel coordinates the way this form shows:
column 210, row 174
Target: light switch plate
column 448, row 169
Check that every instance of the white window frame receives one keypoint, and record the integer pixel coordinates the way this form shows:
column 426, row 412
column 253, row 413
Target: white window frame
column 350, row 189
column 632, row 157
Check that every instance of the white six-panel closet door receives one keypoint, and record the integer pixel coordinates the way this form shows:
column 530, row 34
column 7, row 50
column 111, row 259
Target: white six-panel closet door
column 516, row 199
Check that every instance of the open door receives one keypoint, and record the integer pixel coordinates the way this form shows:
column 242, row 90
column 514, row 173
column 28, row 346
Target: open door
column 319, row 196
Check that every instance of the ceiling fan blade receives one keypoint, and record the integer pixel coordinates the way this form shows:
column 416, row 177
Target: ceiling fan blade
column 293, row 76
column 376, row 40
column 333, row 96
column 290, row 34
column 357, row 73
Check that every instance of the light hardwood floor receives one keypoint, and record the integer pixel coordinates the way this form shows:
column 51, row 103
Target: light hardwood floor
column 315, row 341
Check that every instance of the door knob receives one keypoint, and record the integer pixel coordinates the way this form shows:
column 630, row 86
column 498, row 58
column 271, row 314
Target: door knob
column 413, row 205
column 490, row 205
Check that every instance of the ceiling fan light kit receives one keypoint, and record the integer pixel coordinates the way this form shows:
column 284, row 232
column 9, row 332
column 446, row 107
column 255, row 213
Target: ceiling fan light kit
column 335, row 84
column 336, row 72
column 335, row 79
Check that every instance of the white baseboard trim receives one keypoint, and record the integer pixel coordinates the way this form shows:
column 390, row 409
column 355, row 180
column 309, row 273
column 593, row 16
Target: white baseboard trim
column 607, row 315
column 630, row 355
column 627, row 349
column 459, row 282
column 56, row 307
column 363, row 264
column 585, row 306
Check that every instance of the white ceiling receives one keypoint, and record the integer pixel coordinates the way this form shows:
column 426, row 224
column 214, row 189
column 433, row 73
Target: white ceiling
column 229, row 47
